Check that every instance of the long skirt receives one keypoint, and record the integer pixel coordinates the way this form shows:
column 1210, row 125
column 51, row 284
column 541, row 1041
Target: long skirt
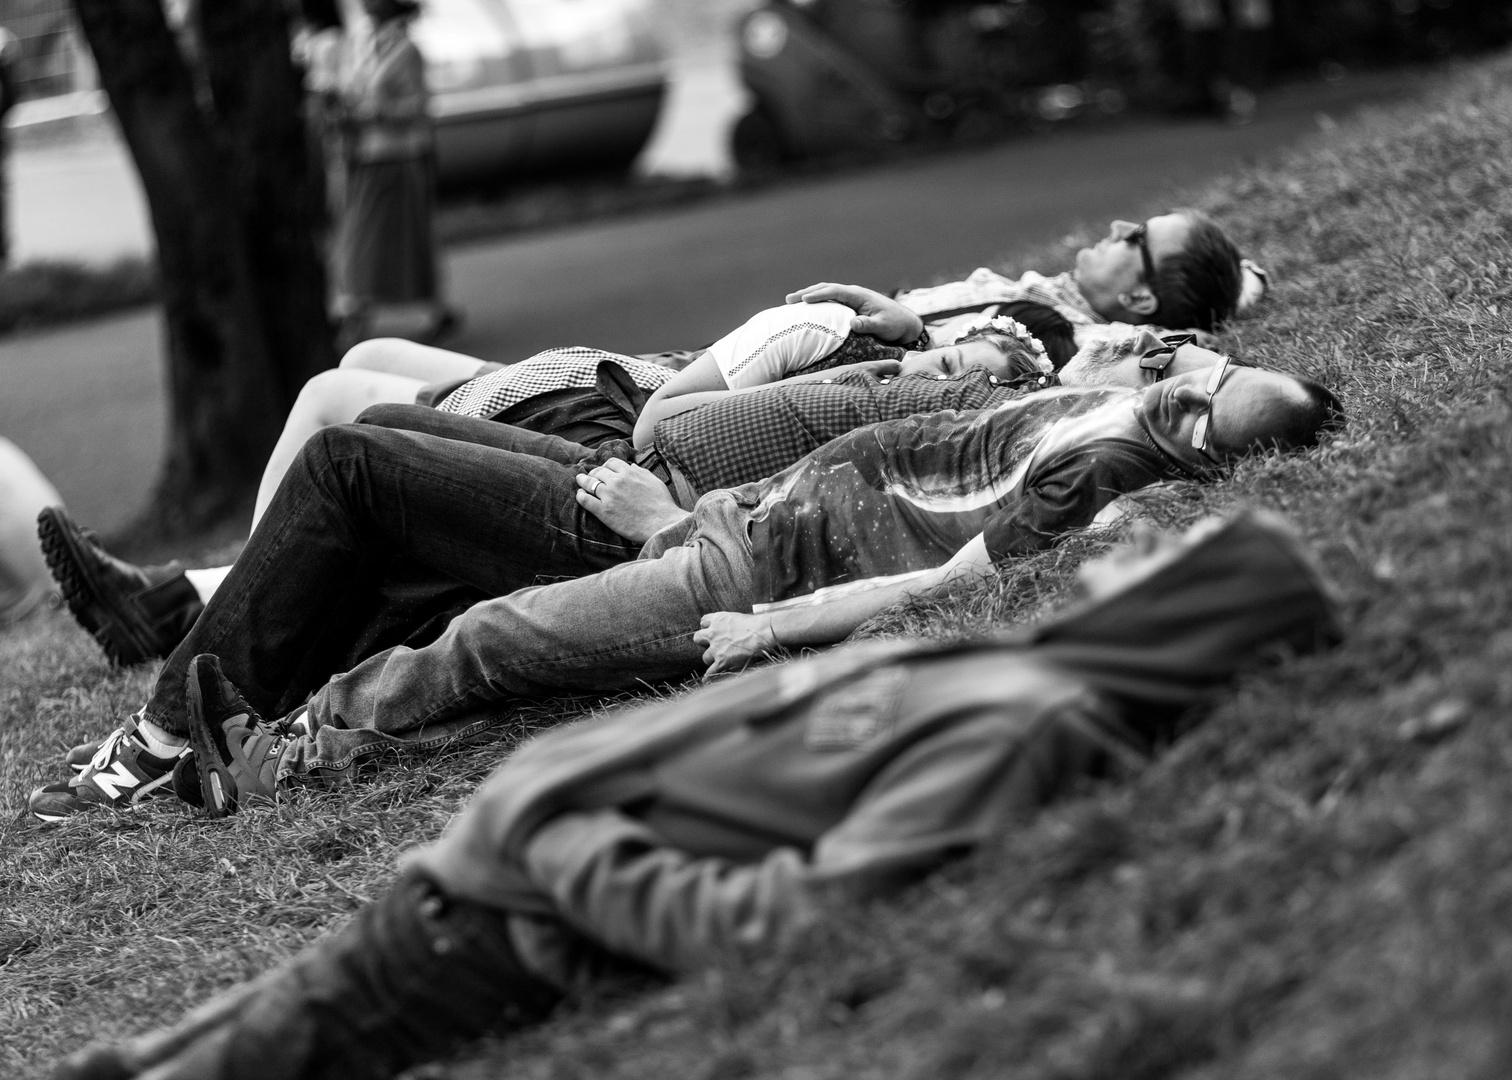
column 385, row 251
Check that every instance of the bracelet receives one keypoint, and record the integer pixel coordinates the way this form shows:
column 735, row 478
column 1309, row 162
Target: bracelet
column 920, row 343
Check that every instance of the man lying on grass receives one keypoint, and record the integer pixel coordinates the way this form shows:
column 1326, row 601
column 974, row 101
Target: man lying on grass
column 1177, row 269
column 889, row 510
column 724, row 822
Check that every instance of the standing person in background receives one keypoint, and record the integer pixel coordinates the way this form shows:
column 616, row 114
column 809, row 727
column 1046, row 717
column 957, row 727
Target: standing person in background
column 10, row 50
column 385, row 250
column 24, row 491
column 1224, row 46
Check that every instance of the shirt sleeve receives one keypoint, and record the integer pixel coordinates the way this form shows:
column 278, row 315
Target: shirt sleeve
column 1067, row 493
column 615, row 880
column 779, row 341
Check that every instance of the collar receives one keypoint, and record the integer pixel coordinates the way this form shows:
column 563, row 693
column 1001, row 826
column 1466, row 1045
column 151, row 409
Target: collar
column 1170, row 459
column 1071, row 296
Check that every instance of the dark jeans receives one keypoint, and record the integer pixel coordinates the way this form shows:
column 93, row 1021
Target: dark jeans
column 377, row 537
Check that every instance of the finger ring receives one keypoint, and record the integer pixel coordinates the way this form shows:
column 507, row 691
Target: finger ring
column 597, row 483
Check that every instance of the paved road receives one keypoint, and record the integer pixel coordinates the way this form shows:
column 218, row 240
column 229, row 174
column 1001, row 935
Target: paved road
column 85, row 402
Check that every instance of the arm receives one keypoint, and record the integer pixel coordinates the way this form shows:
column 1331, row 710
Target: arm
column 767, row 348
column 879, row 315
column 625, row 887
column 686, row 402
column 732, row 639
column 698, row 381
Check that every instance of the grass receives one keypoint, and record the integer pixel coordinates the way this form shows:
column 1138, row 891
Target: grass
column 1314, row 883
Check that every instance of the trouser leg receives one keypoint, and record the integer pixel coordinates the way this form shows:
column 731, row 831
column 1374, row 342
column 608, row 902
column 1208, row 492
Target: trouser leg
column 358, row 504
column 408, row 980
column 628, row 625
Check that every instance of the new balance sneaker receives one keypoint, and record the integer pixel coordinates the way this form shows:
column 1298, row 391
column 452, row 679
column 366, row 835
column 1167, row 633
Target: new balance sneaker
column 79, row 757
column 122, row 771
column 136, row 613
column 235, row 750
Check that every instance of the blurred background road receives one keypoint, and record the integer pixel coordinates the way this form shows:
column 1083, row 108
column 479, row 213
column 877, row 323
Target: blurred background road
column 86, row 401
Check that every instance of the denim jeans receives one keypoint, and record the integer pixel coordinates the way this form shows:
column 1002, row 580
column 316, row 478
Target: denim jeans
column 379, row 536
column 627, row 625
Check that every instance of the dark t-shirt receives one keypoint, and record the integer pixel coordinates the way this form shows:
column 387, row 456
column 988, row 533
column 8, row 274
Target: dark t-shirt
column 906, row 495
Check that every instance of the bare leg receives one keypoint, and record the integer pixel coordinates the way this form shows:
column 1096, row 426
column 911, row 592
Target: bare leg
column 396, row 356
column 332, row 397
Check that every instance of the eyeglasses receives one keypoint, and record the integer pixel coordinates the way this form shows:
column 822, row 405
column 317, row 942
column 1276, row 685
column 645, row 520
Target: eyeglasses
column 1200, row 432
column 1139, row 236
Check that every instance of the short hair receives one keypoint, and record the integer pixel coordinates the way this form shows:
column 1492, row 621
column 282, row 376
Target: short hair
column 1199, row 285
column 1301, row 427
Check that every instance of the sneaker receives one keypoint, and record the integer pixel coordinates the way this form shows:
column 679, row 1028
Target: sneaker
column 235, row 750
column 79, row 757
column 135, row 613
column 122, row 771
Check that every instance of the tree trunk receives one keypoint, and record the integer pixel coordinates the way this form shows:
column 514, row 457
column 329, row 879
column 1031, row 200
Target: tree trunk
column 224, row 168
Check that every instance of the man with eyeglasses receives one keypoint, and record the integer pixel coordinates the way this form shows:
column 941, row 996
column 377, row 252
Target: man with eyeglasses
column 799, row 559
column 1177, row 270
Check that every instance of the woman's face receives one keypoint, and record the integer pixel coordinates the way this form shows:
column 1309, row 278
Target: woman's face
column 978, row 353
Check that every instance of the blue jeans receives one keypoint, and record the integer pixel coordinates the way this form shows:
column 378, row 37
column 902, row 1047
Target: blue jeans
column 378, row 537
column 627, row 625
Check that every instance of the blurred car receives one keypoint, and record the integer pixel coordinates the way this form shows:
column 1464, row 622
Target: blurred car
column 532, row 86
column 833, row 77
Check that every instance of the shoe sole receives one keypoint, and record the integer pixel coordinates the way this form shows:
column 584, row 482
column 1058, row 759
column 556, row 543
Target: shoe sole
column 217, row 785
column 67, row 561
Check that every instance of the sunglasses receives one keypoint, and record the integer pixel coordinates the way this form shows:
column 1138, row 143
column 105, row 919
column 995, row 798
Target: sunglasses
column 1159, row 360
column 1200, row 431
column 1139, row 236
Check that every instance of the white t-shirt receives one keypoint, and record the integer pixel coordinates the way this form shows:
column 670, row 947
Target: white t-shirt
column 779, row 341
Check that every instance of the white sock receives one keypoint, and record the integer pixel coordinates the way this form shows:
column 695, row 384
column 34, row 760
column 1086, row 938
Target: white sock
column 206, row 581
column 160, row 742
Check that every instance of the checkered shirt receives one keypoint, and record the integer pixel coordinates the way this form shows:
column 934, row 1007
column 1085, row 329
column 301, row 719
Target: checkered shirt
column 554, row 369
column 752, row 436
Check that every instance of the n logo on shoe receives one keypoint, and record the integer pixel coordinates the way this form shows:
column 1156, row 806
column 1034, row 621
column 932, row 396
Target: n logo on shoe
column 117, row 780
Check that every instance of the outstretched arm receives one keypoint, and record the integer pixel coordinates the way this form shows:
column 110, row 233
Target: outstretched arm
column 768, row 348
column 687, row 389
column 878, row 315
column 732, row 639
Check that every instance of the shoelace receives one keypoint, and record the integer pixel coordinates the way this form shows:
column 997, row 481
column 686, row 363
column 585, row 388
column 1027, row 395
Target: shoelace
column 106, row 752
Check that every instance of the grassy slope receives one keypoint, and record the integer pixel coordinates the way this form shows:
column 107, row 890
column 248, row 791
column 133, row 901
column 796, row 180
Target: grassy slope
column 1315, row 883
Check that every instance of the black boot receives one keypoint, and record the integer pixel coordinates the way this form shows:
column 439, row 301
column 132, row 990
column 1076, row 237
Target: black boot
column 135, row 613
column 408, row 980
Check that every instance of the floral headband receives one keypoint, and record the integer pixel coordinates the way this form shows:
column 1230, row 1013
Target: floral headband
column 1009, row 327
